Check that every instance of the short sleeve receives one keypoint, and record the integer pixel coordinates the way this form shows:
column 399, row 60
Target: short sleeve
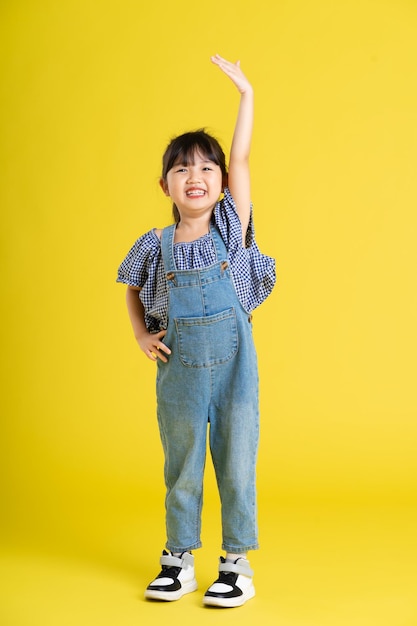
column 134, row 269
column 143, row 267
column 253, row 272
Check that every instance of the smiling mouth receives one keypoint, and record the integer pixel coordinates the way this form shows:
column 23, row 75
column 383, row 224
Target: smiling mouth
column 195, row 193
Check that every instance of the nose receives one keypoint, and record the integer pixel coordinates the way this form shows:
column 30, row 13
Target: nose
column 193, row 175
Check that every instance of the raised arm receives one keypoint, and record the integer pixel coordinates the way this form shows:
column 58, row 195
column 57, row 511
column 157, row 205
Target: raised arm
column 239, row 172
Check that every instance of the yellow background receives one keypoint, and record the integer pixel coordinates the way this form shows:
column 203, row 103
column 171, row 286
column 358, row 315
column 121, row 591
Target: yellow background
column 91, row 92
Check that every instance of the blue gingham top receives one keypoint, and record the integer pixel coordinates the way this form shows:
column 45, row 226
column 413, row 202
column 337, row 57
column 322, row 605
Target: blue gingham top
column 252, row 272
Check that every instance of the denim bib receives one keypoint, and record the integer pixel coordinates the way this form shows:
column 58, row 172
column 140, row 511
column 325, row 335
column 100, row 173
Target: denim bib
column 202, row 305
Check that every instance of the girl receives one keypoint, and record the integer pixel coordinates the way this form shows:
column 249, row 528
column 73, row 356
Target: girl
column 198, row 281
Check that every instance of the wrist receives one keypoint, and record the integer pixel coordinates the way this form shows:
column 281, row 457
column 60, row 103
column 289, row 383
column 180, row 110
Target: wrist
column 247, row 91
column 140, row 334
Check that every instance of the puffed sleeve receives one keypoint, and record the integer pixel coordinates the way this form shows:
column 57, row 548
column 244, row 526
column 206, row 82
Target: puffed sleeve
column 134, row 269
column 253, row 272
column 143, row 267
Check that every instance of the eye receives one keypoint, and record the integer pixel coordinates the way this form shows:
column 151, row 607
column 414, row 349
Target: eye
column 207, row 168
column 180, row 170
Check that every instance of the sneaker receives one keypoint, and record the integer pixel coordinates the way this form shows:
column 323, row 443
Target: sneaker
column 234, row 585
column 175, row 579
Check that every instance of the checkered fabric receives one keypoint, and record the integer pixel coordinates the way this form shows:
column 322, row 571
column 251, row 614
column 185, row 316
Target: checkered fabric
column 253, row 273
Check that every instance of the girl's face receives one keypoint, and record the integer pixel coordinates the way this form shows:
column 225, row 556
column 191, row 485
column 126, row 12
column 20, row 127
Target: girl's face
column 194, row 187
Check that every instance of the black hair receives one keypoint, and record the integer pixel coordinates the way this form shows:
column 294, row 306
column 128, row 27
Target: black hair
column 183, row 148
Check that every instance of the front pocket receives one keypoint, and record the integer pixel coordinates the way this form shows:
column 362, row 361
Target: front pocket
column 206, row 341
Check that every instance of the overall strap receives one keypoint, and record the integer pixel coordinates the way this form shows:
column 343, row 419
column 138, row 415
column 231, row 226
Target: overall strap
column 167, row 248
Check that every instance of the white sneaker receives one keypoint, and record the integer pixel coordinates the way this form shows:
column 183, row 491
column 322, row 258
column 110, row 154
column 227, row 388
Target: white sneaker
column 175, row 579
column 234, row 585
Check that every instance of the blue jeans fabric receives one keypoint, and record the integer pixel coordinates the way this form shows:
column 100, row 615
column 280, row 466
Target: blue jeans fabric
column 211, row 378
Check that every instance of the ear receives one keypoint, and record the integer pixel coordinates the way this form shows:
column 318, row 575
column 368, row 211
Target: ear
column 164, row 186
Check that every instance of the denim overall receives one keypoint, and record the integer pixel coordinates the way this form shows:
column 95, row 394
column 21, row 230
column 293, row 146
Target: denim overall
column 211, row 377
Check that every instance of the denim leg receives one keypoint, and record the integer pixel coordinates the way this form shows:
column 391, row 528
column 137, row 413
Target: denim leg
column 234, row 436
column 183, row 419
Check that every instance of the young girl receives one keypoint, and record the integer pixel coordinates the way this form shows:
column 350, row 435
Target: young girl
column 198, row 281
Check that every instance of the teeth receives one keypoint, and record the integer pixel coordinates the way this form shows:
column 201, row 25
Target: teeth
column 195, row 192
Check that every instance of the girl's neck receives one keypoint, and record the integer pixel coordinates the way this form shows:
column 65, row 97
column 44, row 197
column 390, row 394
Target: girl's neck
column 190, row 230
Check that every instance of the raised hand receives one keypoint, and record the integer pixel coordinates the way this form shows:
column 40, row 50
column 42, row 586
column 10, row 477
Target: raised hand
column 233, row 71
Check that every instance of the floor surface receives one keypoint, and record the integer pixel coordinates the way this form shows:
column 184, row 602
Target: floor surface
column 318, row 566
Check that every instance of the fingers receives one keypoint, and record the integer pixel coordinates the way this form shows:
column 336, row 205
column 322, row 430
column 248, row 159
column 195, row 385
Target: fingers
column 157, row 349
column 156, row 353
column 233, row 71
column 224, row 64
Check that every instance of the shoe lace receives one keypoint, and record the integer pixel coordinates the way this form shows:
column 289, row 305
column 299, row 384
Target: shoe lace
column 169, row 571
column 228, row 578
